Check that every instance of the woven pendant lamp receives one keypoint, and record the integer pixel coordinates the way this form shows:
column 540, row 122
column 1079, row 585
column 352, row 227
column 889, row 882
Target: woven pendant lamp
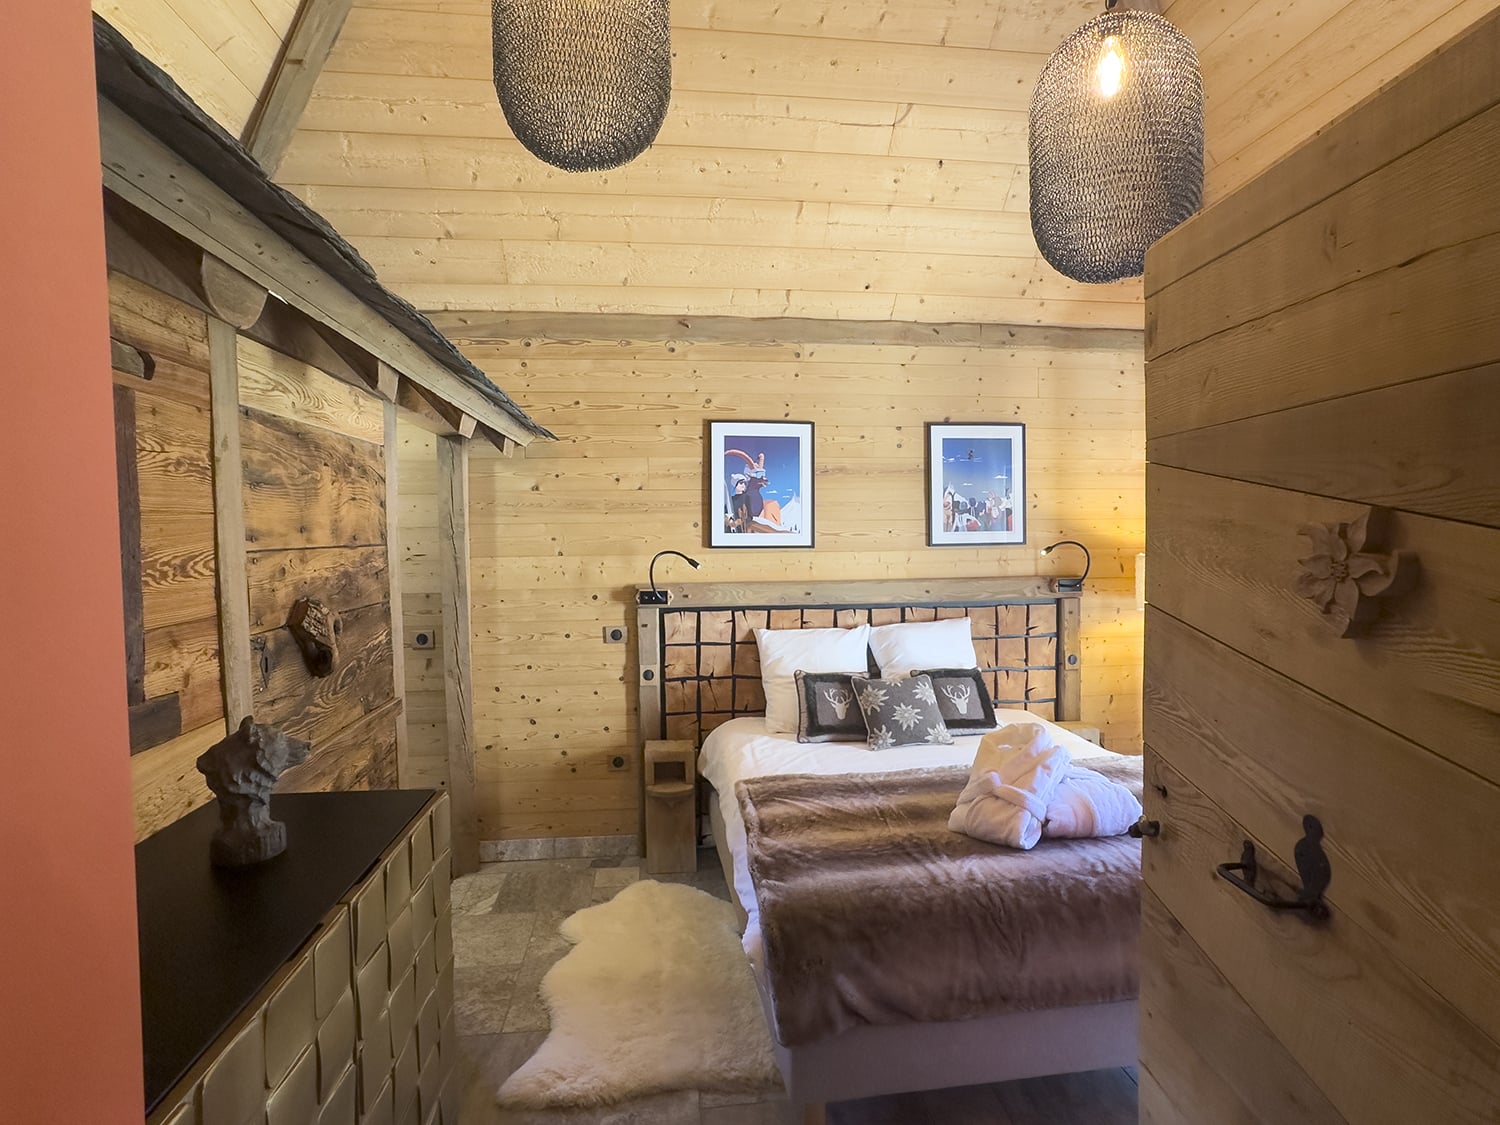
column 584, row 83
column 1116, row 144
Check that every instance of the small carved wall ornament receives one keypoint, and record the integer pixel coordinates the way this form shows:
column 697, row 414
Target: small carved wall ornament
column 315, row 630
column 241, row 769
column 1347, row 572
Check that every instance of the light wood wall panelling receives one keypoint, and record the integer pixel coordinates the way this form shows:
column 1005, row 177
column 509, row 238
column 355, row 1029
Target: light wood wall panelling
column 1395, row 326
column 220, row 53
column 825, row 164
column 562, row 536
column 453, row 542
column 1343, row 1005
column 391, row 442
column 235, row 654
column 1275, row 75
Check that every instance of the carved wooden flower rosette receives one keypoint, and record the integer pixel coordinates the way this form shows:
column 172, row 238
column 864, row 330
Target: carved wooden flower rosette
column 1347, row 572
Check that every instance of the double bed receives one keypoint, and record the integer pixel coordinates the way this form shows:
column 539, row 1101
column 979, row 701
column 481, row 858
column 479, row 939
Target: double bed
column 873, row 1030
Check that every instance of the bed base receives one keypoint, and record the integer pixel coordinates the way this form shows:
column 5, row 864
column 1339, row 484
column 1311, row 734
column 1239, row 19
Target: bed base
column 872, row 1060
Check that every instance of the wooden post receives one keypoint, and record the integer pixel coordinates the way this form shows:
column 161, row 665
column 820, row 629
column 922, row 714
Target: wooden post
column 1069, row 659
column 458, row 685
column 393, row 569
column 229, row 521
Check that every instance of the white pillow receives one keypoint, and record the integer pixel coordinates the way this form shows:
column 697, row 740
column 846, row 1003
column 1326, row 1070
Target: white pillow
column 901, row 649
column 784, row 652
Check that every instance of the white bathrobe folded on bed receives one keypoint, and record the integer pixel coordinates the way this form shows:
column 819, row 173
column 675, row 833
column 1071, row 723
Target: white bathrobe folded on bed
column 1011, row 784
column 1086, row 803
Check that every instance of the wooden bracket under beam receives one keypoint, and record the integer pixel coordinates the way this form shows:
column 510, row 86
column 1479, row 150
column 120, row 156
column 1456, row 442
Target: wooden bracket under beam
column 432, row 413
column 504, row 444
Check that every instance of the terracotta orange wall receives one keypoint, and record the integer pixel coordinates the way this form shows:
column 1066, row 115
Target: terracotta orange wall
column 70, row 1042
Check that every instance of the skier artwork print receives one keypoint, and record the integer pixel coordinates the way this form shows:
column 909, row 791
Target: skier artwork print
column 760, row 484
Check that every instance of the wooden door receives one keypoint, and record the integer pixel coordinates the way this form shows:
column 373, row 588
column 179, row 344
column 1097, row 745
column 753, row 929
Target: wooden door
column 1322, row 348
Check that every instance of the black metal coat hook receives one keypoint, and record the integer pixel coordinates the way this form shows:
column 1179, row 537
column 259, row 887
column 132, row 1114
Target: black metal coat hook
column 1312, row 866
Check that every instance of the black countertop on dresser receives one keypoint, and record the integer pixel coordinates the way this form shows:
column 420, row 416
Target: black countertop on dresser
column 212, row 937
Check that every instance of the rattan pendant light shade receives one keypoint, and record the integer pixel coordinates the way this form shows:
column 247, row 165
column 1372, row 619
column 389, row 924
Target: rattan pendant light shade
column 584, row 83
column 1116, row 144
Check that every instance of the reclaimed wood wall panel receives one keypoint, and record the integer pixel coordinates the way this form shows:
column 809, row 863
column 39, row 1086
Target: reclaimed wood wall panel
column 275, row 383
column 173, row 493
column 1224, row 557
column 1196, row 1030
column 315, row 527
column 1380, row 1044
column 561, row 536
column 306, row 487
column 1276, row 74
column 165, row 781
column 1324, row 382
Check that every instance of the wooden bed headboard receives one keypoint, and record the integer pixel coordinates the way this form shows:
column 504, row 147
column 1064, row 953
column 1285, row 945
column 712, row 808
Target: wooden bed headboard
column 699, row 665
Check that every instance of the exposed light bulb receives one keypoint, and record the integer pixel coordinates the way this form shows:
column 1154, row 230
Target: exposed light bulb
column 1111, row 68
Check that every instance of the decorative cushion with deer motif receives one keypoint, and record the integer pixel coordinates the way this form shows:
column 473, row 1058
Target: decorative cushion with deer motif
column 826, row 710
column 963, row 698
column 900, row 712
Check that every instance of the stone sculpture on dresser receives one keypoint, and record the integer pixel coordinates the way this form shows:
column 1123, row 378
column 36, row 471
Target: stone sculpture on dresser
column 241, row 770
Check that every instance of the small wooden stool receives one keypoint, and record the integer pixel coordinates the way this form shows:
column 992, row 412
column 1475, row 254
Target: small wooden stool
column 1084, row 730
column 671, row 807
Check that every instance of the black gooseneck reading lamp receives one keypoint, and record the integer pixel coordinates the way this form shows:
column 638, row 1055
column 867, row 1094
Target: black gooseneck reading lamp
column 654, row 596
column 1071, row 583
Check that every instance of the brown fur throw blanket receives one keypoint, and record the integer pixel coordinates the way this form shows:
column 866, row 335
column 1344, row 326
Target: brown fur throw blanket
column 872, row 911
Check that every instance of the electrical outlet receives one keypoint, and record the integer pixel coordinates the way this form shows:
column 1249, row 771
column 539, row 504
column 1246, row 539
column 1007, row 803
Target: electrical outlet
column 423, row 638
column 614, row 634
column 618, row 763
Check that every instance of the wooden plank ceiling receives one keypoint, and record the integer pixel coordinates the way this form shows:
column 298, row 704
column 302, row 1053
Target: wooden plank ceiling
column 820, row 159
column 826, row 158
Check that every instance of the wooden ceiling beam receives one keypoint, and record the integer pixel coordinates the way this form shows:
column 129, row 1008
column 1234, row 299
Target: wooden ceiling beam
column 309, row 41
column 231, row 296
column 142, row 248
column 482, row 327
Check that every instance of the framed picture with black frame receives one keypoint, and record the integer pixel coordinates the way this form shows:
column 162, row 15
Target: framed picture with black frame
column 976, row 483
column 760, row 484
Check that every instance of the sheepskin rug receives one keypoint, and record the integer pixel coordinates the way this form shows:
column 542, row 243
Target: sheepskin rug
column 655, row 995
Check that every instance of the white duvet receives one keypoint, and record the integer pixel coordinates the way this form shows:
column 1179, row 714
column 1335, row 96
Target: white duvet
column 743, row 748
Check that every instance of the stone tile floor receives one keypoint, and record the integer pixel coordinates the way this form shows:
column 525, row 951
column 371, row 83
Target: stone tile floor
column 505, row 936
